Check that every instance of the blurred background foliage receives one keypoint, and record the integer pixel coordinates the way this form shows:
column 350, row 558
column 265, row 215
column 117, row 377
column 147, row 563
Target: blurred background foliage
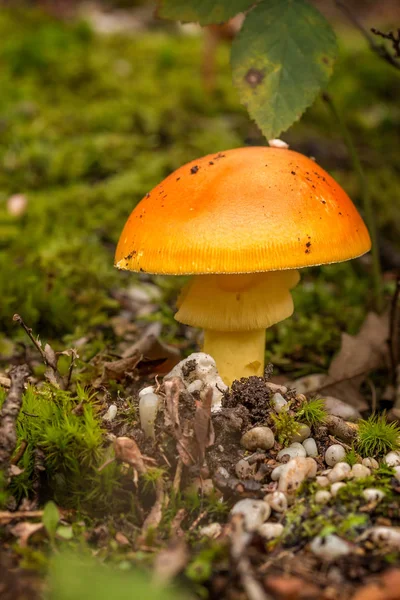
column 89, row 122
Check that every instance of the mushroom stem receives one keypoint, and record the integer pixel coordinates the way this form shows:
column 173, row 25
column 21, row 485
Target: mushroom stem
column 234, row 311
column 237, row 353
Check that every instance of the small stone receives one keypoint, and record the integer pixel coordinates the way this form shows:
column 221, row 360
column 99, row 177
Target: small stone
column 291, row 452
column 295, row 472
column 270, row 531
column 373, row 495
column 276, row 143
column 275, row 387
column 222, row 472
column 243, row 469
column 111, row 413
column 339, row 472
column 341, row 409
column 276, row 473
column 258, row 438
column 322, row 497
column 393, row 459
column 329, row 547
column 384, row 536
column 335, row 487
column 279, row 403
column 213, row 530
column 334, row 454
column 302, row 434
column 322, row 480
column 360, row 471
column 310, row 446
column 255, row 512
column 277, row 501
column 370, row 462
column 397, row 472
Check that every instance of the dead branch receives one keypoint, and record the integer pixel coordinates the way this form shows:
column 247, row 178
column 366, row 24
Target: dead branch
column 9, row 414
column 395, row 41
column 379, row 49
column 344, row 431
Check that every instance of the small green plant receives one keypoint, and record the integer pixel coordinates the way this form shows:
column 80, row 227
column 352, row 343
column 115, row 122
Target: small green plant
column 351, row 457
column 312, row 412
column 377, row 437
column 285, row 426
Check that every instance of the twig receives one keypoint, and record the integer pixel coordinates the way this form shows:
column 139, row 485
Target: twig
column 6, row 516
column 391, row 37
column 366, row 198
column 21, row 451
column 379, row 49
column 29, row 333
column 394, row 344
column 9, row 414
column 178, row 476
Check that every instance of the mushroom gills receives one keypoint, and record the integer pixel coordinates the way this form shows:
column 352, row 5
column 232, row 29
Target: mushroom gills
column 235, row 311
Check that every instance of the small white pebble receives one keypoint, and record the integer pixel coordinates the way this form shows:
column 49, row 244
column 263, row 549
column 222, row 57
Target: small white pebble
column 322, row 497
column 243, row 469
column 222, row 472
column 111, row 413
column 276, row 143
column 397, row 473
column 323, row 481
column 290, row 452
column 258, row 437
column 393, row 459
column 270, row 531
column 373, row 495
column 302, row 434
column 339, row 472
column 275, row 387
column 276, row 473
column 147, row 390
column 384, row 535
column 213, row 530
column 277, row 501
column 310, row 447
column 255, row 512
column 334, row 454
column 335, row 487
column 370, row 462
column 295, row 472
column 278, row 403
column 329, row 547
column 360, row 471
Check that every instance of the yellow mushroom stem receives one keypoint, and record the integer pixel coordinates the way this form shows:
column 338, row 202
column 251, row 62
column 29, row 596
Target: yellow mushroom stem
column 235, row 311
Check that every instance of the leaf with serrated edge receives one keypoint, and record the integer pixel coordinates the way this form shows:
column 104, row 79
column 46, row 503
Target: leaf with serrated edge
column 204, row 12
column 281, row 58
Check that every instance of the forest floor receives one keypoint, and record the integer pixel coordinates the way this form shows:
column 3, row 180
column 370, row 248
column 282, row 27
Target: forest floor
column 88, row 125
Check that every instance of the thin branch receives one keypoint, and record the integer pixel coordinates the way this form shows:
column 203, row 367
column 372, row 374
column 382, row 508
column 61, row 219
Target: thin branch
column 29, row 333
column 366, row 198
column 394, row 342
column 395, row 41
column 9, row 414
column 379, row 49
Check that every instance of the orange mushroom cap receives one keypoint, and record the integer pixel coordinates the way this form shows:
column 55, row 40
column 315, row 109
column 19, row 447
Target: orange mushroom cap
column 240, row 211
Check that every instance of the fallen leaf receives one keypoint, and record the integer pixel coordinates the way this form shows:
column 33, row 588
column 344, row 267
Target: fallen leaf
column 24, row 530
column 153, row 350
column 126, row 450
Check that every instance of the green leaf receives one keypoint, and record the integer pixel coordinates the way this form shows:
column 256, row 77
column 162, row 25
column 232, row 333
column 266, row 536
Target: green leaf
column 281, row 58
column 82, row 578
column 202, row 11
column 50, row 518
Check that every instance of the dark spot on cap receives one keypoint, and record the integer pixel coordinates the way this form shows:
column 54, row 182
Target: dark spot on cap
column 340, row 214
column 308, row 244
column 307, row 250
column 129, row 256
column 219, row 155
column 194, row 170
column 148, row 195
column 141, row 270
column 254, row 77
column 211, row 162
column 293, row 172
column 178, row 178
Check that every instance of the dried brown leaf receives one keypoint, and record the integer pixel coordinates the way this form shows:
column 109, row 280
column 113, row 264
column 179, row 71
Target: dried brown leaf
column 126, row 450
column 24, row 530
column 357, row 356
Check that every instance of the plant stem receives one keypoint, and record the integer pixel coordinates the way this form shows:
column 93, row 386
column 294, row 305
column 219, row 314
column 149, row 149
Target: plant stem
column 366, row 199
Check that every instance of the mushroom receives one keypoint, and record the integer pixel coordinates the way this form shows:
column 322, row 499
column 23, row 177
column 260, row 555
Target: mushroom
column 241, row 222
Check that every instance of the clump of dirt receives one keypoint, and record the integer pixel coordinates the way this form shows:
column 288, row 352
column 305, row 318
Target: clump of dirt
column 253, row 394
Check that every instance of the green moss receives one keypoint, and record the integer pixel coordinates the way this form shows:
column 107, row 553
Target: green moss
column 312, row 412
column 285, row 426
column 377, row 437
